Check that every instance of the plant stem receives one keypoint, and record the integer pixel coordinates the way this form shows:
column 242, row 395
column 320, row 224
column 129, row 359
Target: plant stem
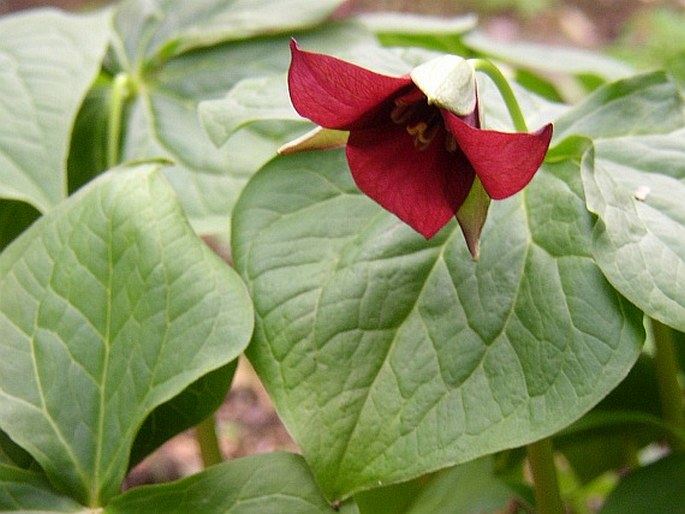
column 505, row 90
column 205, row 433
column 670, row 393
column 541, row 461
column 120, row 92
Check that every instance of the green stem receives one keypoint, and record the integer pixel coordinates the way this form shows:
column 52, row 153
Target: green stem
column 541, row 461
column 118, row 97
column 505, row 90
column 670, row 392
column 205, row 433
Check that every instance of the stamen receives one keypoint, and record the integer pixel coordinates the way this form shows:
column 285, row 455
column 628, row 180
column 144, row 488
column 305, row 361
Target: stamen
column 417, row 130
column 421, row 121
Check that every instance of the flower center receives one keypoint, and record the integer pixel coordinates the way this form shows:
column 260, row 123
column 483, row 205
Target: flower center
column 421, row 121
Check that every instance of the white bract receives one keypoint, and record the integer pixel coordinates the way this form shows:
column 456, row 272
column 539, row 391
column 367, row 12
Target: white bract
column 449, row 82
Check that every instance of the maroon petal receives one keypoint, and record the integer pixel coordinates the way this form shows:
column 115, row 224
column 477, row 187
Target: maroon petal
column 337, row 94
column 504, row 161
column 424, row 188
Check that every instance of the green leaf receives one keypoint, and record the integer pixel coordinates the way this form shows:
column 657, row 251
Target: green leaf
column 251, row 100
column 194, row 404
column 163, row 117
column 628, row 419
column 655, row 489
column 636, row 185
column 48, row 60
column 403, row 23
column 88, row 153
column 608, row 440
column 437, row 33
column 15, row 217
column 547, row 59
column 410, row 354
column 30, row 492
column 470, row 488
column 271, row 483
column 154, row 30
column 642, row 104
column 109, row 306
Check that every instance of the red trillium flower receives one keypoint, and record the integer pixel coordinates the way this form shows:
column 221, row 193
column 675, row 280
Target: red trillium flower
column 415, row 144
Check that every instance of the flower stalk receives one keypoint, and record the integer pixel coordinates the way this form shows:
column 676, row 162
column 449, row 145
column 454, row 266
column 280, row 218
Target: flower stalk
column 670, row 392
column 502, row 84
column 205, row 434
column 541, row 461
column 121, row 90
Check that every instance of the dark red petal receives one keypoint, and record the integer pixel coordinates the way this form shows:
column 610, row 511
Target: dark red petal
column 504, row 161
column 337, row 94
column 422, row 188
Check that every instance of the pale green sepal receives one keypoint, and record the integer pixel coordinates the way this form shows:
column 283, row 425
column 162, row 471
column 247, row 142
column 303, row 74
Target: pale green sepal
column 448, row 82
column 317, row 139
column 471, row 217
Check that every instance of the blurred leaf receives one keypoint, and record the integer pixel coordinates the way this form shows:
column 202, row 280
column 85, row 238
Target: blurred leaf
column 109, row 306
column 537, row 84
column 611, row 434
column 271, row 483
column 15, row 217
column 88, row 153
column 636, row 185
column 409, row 29
column 413, row 356
column 609, row 440
column 470, row 488
column 48, row 60
column 548, row 59
column 658, row 488
column 409, row 23
column 638, row 392
column 654, row 38
column 643, row 104
column 152, row 31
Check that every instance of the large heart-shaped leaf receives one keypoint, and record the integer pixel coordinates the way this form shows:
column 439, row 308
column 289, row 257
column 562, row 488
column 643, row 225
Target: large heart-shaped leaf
column 261, row 484
column 636, row 186
column 389, row 356
column 47, row 62
column 109, row 306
